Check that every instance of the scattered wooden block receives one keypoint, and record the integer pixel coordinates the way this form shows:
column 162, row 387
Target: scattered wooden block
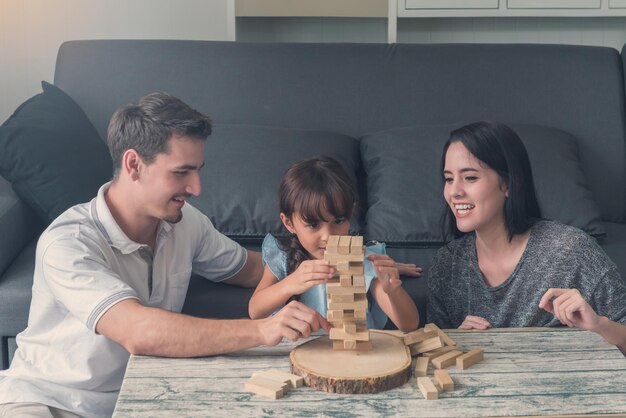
column 446, row 340
column 418, row 336
column 436, row 352
column 468, row 359
column 427, row 388
column 428, row 345
column 294, row 380
column 332, row 243
column 421, row 366
column 344, row 244
column 446, row 359
column 356, row 245
column 265, row 387
column 444, row 381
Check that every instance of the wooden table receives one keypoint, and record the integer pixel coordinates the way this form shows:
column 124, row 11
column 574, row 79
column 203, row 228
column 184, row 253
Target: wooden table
column 529, row 371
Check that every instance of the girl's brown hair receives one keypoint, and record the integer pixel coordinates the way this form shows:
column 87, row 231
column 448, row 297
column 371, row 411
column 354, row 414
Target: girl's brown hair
column 309, row 188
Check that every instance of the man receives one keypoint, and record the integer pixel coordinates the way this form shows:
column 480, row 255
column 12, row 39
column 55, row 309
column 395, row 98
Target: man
column 111, row 275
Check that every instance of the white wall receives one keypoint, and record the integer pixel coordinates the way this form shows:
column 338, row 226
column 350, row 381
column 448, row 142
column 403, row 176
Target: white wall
column 31, row 32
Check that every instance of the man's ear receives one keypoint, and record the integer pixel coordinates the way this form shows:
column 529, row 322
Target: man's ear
column 132, row 164
column 287, row 222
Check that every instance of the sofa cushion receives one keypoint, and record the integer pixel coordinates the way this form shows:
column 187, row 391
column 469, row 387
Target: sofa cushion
column 243, row 168
column 52, row 154
column 405, row 185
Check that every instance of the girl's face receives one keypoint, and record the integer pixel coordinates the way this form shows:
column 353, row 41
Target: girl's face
column 314, row 236
column 474, row 191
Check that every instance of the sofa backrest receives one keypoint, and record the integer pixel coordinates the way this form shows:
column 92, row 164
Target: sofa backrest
column 362, row 88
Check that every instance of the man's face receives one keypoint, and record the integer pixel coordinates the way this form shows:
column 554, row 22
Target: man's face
column 172, row 178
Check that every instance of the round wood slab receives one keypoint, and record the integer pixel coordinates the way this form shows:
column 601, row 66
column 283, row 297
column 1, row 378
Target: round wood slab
column 386, row 366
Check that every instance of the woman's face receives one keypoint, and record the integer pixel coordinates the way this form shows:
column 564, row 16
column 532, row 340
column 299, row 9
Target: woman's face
column 474, row 191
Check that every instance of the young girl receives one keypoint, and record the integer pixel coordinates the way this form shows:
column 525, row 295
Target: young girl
column 508, row 267
column 316, row 199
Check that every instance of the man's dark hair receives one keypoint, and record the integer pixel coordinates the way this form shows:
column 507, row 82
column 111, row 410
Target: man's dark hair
column 147, row 126
column 500, row 148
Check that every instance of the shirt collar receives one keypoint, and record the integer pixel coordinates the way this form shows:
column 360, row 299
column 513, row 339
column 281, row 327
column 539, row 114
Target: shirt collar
column 111, row 230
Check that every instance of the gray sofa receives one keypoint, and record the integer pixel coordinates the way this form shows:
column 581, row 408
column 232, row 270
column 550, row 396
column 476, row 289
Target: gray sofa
column 383, row 110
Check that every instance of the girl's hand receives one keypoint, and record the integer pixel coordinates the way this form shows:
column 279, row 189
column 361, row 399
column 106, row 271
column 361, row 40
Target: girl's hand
column 569, row 306
column 386, row 271
column 308, row 274
column 475, row 322
column 411, row 270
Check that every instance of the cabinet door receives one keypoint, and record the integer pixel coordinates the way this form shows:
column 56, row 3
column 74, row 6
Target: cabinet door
column 553, row 4
column 617, row 4
column 451, row 4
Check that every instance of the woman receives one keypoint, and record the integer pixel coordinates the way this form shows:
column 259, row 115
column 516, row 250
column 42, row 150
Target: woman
column 507, row 267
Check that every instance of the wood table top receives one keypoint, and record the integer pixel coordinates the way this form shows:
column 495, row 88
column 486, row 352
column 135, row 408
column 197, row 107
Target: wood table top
column 526, row 372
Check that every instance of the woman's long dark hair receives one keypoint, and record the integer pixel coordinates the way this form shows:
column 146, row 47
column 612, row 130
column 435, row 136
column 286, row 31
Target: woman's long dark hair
column 308, row 188
column 500, row 148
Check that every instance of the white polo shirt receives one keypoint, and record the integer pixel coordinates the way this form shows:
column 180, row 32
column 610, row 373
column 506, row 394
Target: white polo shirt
column 85, row 264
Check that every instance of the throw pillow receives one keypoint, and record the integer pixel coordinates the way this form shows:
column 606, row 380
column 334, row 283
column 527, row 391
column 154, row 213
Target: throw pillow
column 248, row 161
column 52, row 154
column 405, row 186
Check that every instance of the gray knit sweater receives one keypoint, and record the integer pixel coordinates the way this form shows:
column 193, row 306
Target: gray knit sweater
column 556, row 256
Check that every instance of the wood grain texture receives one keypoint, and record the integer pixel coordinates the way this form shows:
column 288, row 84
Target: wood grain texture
column 387, row 365
column 536, row 372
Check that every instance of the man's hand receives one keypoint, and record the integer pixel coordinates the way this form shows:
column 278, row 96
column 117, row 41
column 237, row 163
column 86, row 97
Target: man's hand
column 386, row 271
column 308, row 274
column 569, row 307
column 294, row 321
column 475, row 322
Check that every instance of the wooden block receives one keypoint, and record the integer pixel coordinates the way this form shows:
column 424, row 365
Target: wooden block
column 343, row 290
column 358, row 281
column 446, row 340
column 360, row 314
column 360, row 303
column 336, row 258
column 444, row 381
column 341, row 334
column 470, row 358
column 265, row 387
column 332, row 283
column 349, row 344
column 428, row 345
column 356, row 245
column 332, row 244
column 343, row 267
column 421, row 366
column 344, row 244
column 334, row 315
column 437, row 352
column 446, row 360
column 427, row 388
column 338, row 345
column 345, row 280
column 294, row 380
column 349, row 327
column 418, row 336
column 341, row 298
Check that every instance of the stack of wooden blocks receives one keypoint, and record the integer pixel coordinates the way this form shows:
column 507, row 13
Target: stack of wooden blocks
column 346, row 296
column 432, row 345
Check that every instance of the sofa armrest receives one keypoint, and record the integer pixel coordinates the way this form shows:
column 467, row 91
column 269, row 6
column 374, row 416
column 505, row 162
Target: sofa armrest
column 18, row 225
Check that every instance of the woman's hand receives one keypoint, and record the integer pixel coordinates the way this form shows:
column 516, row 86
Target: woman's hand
column 475, row 322
column 308, row 274
column 569, row 306
column 386, row 271
column 411, row 270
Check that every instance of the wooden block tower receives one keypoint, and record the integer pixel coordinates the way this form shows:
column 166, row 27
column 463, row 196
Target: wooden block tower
column 346, row 297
